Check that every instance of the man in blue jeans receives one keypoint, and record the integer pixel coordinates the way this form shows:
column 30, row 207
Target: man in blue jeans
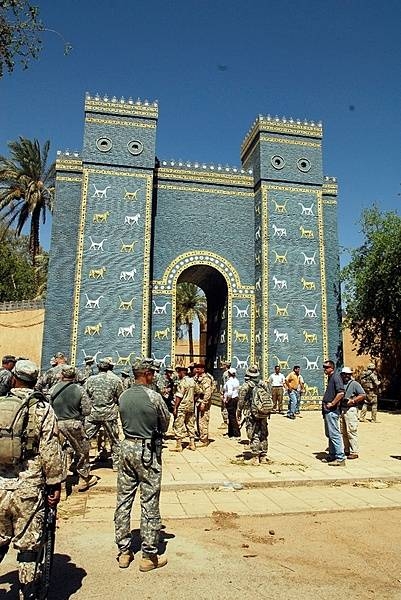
column 331, row 405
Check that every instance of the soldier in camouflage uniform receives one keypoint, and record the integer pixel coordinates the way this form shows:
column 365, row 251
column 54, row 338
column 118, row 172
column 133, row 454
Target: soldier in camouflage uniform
column 184, row 410
column 206, row 385
column 256, row 429
column 87, row 370
column 7, row 364
column 126, row 380
column 167, row 386
column 371, row 384
column 71, row 404
column 52, row 376
column 23, row 485
column 144, row 418
column 103, row 390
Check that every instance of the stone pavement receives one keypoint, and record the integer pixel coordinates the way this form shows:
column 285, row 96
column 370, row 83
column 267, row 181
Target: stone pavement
column 216, row 478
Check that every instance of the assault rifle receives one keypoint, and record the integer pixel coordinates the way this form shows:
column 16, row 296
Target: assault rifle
column 44, row 561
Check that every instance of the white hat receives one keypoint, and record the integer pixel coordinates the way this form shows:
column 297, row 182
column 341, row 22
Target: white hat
column 232, row 371
column 346, row 370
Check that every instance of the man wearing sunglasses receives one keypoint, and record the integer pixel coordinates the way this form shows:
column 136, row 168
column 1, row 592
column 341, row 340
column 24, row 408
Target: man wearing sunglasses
column 331, row 406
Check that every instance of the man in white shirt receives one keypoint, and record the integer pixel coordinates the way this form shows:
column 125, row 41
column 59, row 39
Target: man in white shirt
column 230, row 396
column 277, row 382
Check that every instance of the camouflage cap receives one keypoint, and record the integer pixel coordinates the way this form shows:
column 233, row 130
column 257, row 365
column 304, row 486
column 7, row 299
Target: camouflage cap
column 371, row 366
column 145, row 364
column 89, row 360
column 105, row 363
column 252, row 372
column 169, row 368
column 199, row 365
column 68, row 371
column 26, row 370
column 59, row 355
column 125, row 374
column 181, row 368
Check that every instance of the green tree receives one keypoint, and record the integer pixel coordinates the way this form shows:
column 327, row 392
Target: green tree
column 17, row 276
column 21, row 33
column 372, row 290
column 191, row 305
column 20, row 29
column 27, row 188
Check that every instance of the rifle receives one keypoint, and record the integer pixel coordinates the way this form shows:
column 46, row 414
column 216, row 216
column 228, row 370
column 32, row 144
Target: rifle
column 44, row 562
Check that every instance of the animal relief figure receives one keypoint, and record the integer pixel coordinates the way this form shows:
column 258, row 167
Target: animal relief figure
column 279, row 284
column 126, row 304
column 241, row 337
column 93, row 355
column 128, row 275
column 309, row 260
column 306, row 210
column 131, row 195
column 306, row 233
column 257, row 233
column 279, row 231
column 258, row 336
column 162, row 361
column 311, row 365
column 281, row 311
column 223, row 337
column 101, row 217
column 280, row 208
column 93, row 329
column 311, row 390
column 242, row 364
column 281, row 336
column 310, row 312
column 132, row 219
column 280, row 258
column 101, row 193
column 162, row 334
column 123, row 360
column 128, row 247
column 308, row 285
column 92, row 303
column 257, row 258
column 160, row 309
column 241, row 312
column 97, row 273
column 97, row 246
column 283, row 364
column 126, row 331
column 309, row 338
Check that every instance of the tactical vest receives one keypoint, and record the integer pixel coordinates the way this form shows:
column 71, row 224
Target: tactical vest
column 17, row 439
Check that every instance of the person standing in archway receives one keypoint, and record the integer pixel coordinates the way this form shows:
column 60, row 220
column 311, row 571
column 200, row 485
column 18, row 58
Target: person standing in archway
column 203, row 401
column 230, row 391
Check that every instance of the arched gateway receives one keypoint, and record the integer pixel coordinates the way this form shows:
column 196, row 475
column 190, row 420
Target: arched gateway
column 260, row 241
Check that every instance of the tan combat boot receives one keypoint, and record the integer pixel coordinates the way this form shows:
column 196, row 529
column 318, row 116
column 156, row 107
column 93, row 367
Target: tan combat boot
column 191, row 445
column 149, row 563
column 124, row 559
column 178, row 447
column 255, row 461
column 87, row 483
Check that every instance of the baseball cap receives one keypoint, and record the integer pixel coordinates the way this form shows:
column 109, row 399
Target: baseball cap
column 26, row 370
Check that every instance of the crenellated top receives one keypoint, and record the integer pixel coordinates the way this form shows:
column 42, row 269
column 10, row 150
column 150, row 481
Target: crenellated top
column 293, row 127
column 204, row 172
column 330, row 186
column 68, row 161
column 112, row 105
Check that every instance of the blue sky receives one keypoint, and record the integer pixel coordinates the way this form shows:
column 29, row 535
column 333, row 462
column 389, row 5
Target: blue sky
column 338, row 61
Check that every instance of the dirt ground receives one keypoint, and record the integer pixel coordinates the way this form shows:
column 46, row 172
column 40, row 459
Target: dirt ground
column 328, row 556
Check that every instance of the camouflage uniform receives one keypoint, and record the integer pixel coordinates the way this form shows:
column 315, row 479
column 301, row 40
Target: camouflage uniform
column 140, row 466
column 184, row 424
column 22, row 488
column 205, row 383
column 371, row 384
column 256, row 429
column 104, row 390
column 83, row 374
column 5, row 381
column 48, row 379
column 73, row 428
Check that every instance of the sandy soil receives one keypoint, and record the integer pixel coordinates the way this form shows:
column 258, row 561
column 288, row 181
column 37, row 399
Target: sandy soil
column 328, row 556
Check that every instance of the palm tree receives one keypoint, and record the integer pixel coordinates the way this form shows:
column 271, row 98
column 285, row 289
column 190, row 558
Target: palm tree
column 26, row 188
column 191, row 304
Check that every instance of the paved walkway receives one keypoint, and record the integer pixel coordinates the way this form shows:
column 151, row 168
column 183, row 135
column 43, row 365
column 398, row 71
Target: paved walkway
column 216, row 478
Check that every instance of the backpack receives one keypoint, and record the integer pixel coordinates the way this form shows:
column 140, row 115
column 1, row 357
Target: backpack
column 15, row 428
column 261, row 401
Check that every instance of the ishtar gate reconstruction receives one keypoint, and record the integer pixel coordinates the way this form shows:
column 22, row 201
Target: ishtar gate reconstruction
column 259, row 240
